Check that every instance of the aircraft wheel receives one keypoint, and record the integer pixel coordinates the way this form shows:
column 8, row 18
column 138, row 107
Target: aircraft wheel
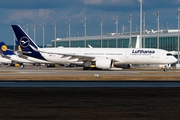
column 22, row 66
column 165, row 70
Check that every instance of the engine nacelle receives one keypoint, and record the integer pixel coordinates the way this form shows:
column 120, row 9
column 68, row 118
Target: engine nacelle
column 104, row 63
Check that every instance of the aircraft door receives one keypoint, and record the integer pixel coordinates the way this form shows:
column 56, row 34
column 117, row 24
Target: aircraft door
column 157, row 54
column 127, row 54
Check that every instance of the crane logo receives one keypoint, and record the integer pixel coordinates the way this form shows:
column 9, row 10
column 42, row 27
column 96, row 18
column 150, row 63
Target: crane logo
column 4, row 48
column 24, row 42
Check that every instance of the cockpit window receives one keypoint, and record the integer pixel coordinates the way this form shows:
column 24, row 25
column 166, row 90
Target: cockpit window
column 169, row 54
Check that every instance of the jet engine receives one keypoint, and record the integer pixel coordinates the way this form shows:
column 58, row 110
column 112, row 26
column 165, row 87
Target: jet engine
column 104, row 63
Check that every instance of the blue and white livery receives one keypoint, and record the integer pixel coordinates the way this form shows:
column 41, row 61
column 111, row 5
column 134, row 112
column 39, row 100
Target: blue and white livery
column 103, row 58
column 9, row 54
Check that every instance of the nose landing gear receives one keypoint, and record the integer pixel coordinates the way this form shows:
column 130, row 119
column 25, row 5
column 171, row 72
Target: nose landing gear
column 165, row 68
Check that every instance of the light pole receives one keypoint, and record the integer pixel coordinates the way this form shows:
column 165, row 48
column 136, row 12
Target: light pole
column 158, row 27
column 69, row 32
column 130, row 25
column 116, row 31
column 54, row 34
column 14, row 41
column 123, row 28
column 144, row 39
column 34, row 28
column 101, row 24
column 85, row 32
column 167, row 26
column 178, row 12
column 42, row 25
column 178, row 17
column 140, row 38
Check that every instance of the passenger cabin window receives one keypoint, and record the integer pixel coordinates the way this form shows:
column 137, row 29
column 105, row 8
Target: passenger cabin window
column 169, row 54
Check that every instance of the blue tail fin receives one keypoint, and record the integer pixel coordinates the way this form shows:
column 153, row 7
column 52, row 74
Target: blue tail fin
column 25, row 42
column 5, row 50
column 23, row 39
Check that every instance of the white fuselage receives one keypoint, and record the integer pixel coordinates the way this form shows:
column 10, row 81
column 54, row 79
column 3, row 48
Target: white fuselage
column 119, row 55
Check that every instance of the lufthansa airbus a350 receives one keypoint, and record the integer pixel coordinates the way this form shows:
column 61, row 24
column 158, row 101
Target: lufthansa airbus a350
column 102, row 58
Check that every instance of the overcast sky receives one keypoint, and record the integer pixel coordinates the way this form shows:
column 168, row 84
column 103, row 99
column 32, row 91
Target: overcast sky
column 30, row 12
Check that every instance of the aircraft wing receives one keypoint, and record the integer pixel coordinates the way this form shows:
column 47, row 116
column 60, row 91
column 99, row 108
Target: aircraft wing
column 5, row 56
column 18, row 52
column 73, row 56
column 23, row 56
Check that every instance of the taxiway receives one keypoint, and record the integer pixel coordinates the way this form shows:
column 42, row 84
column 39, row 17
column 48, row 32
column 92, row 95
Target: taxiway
column 42, row 73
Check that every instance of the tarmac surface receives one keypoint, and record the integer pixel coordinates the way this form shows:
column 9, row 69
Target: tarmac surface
column 63, row 73
column 89, row 103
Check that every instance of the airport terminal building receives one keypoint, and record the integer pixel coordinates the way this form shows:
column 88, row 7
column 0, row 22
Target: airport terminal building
column 165, row 39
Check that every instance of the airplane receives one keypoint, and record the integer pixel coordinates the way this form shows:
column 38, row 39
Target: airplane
column 101, row 58
column 6, row 53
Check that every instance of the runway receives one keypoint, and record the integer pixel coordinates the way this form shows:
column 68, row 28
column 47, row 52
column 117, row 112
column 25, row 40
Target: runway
column 62, row 72
column 40, row 73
